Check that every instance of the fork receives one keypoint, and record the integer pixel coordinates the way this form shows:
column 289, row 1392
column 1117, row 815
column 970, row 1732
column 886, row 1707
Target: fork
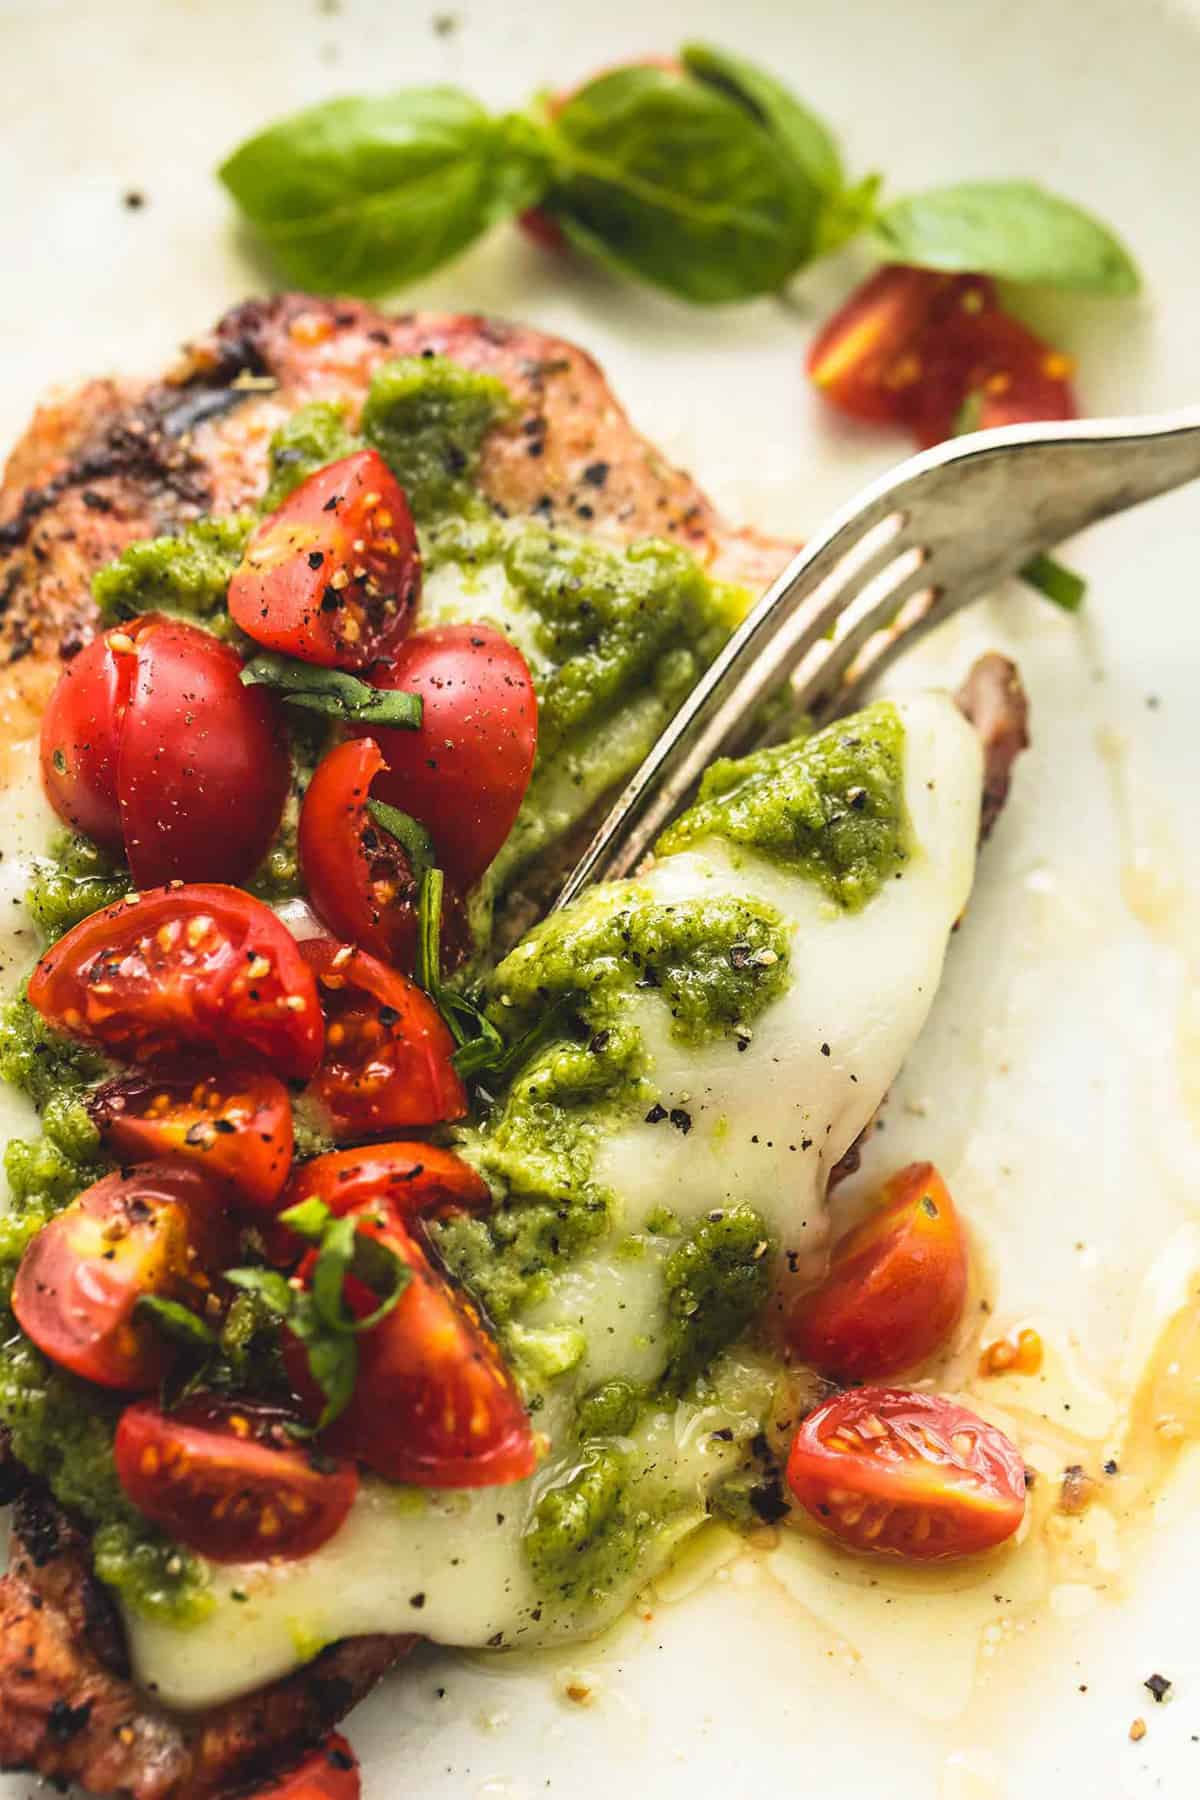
column 910, row 551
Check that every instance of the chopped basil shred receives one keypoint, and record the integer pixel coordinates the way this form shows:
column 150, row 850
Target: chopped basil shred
column 319, row 1315
column 334, row 692
column 408, row 832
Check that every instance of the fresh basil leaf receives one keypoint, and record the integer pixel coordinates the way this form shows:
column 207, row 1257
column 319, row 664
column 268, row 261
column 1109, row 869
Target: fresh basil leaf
column 429, row 933
column 332, row 1358
column 807, row 138
column 273, row 1288
column 1058, row 583
column 334, row 692
column 177, row 1322
column 385, row 1272
column 671, row 181
column 488, row 1054
column 845, row 213
column 408, row 832
column 329, row 1274
column 308, row 1219
column 359, row 195
column 1012, row 229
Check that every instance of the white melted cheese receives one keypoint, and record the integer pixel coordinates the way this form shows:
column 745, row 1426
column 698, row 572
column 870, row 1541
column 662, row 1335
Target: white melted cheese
column 450, row 1566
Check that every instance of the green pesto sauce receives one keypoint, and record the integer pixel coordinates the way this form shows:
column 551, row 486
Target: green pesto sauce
column 187, row 573
column 714, row 964
column 830, row 806
column 428, row 417
column 75, row 880
column 716, row 1283
column 311, row 438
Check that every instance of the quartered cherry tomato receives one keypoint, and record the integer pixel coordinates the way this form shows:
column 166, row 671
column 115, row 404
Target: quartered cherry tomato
column 464, row 773
column 433, row 1402
column 229, row 1481
column 925, row 350
column 151, row 1230
column 913, row 1474
column 332, row 577
column 151, row 745
column 182, row 969
column 388, row 1053
column 237, row 1124
column 330, row 1772
column 896, row 1285
column 359, row 878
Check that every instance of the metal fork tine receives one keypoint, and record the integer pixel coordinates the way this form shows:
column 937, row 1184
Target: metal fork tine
column 977, row 508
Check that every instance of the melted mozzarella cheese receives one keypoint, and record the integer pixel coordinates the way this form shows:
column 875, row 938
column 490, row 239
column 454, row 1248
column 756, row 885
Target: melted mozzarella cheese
column 823, row 1055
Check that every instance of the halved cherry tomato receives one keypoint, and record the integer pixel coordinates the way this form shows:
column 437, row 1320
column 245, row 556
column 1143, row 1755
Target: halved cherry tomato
column 388, row 1052
column 150, row 744
column 912, row 347
column 358, row 877
column 433, row 1402
column 913, row 1474
column 236, row 1124
column 182, row 969
column 229, row 1481
column 330, row 1772
column 415, row 1180
column 465, row 772
column 332, row 577
column 154, row 1229
column 896, row 1285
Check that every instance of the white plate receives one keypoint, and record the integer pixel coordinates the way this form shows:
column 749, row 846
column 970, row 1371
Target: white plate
column 1059, row 1083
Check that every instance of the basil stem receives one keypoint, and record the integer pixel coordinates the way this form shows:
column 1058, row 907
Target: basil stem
column 1053, row 579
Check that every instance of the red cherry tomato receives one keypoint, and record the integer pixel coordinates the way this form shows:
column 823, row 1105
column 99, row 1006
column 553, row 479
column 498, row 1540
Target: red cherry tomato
column 183, row 969
column 465, row 772
column 896, row 1286
column 81, row 729
column 388, row 1053
column 330, row 1772
column 235, row 1124
column 148, row 1230
column 433, row 1402
column 358, row 877
column 914, row 348
column 332, row 577
column 151, row 745
column 913, row 1474
column 229, row 1481
column 414, row 1180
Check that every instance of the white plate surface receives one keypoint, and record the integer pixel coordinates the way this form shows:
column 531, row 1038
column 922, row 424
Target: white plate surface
column 1058, row 1085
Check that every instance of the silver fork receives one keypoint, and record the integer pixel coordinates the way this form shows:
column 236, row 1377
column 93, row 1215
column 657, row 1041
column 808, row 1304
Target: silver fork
column 912, row 549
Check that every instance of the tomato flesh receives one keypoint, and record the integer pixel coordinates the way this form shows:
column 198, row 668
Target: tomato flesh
column 150, row 1230
column 896, row 1285
column 229, row 1481
column 434, row 1403
column 389, row 1055
column 464, row 773
column 236, row 1124
column 330, row 1772
column 886, row 1469
column 179, row 969
column 152, row 746
column 921, row 350
column 413, row 1180
column 332, row 577
column 358, row 877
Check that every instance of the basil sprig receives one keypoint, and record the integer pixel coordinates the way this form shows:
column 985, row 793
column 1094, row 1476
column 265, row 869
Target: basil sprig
column 711, row 180
column 177, row 1322
column 333, row 692
column 408, row 832
column 319, row 1314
